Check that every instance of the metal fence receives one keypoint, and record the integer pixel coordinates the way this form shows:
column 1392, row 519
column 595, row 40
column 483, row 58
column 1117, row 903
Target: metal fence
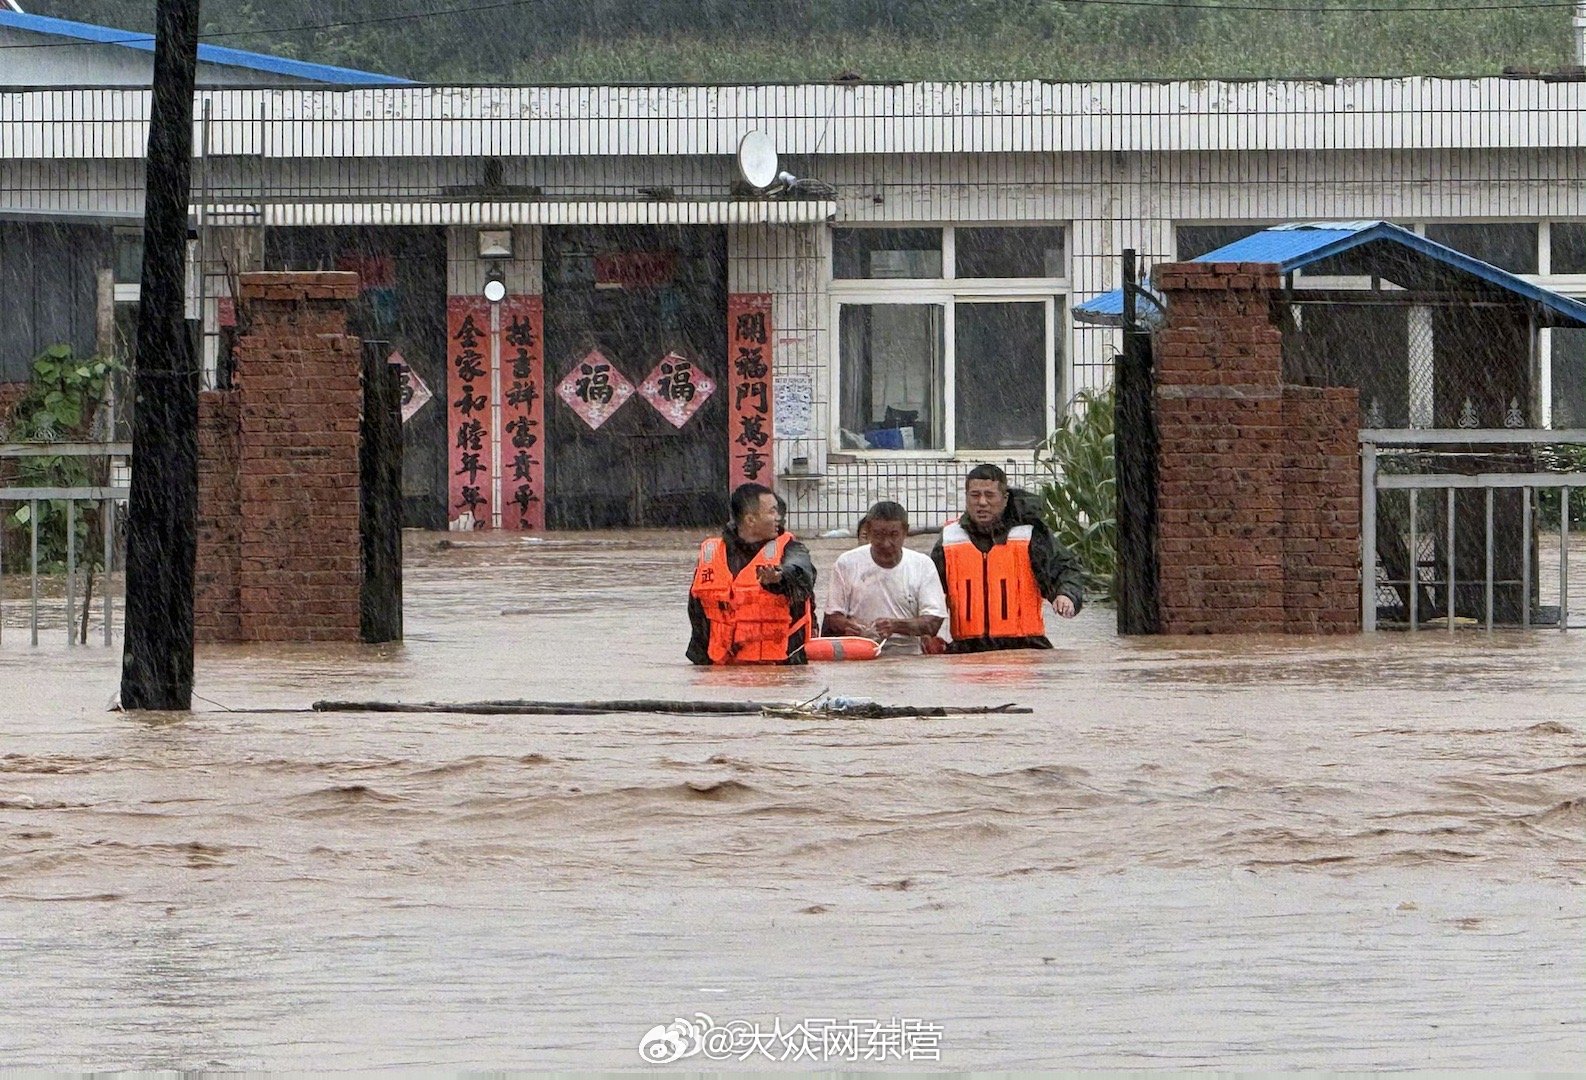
column 1451, row 527
column 1167, row 169
column 98, row 548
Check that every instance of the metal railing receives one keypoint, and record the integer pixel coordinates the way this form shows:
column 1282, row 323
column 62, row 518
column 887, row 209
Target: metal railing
column 1374, row 481
column 105, row 496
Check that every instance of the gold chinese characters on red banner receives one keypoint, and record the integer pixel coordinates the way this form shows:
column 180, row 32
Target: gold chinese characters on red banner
column 468, row 409
column 496, row 412
column 523, row 413
column 749, row 375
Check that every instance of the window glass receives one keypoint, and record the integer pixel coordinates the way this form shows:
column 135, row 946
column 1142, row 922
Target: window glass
column 1000, row 365
column 1193, row 241
column 1569, row 247
column 1510, row 246
column 996, row 252
column 129, row 257
column 887, row 253
column 892, row 359
column 1356, row 262
column 1569, row 378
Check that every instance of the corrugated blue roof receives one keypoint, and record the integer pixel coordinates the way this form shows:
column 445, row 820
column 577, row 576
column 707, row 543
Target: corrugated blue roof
column 208, row 54
column 1295, row 246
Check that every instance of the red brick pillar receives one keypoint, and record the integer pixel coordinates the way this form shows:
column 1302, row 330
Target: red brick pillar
column 217, row 600
column 1258, row 483
column 299, row 390
column 1219, row 403
column 1321, row 510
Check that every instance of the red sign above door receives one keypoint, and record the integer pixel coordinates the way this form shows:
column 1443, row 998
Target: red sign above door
column 634, row 269
column 594, row 389
column 677, row 388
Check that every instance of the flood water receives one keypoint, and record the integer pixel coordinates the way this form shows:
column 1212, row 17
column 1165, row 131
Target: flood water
column 1239, row 853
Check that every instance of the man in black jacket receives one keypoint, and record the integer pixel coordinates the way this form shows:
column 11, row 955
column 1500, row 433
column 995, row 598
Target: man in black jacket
column 757, row 520
column 1005, row 528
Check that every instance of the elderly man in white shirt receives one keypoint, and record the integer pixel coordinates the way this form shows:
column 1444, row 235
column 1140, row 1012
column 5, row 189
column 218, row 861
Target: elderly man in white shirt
column 883, row 590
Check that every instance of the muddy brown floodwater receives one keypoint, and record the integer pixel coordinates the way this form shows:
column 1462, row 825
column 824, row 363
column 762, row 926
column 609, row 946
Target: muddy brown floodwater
column 1241, row 853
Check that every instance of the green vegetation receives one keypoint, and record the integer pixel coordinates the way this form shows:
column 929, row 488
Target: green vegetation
column 1562, row 458
column 60, row 404
column 606, row 41
column 1078, row 495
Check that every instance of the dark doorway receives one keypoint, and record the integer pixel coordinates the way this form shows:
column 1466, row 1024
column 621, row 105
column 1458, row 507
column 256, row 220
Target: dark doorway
column 403, row 305
column 635, row 294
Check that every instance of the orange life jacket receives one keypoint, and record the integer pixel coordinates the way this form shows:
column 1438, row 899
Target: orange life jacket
column 749, row 624
column 991, row 594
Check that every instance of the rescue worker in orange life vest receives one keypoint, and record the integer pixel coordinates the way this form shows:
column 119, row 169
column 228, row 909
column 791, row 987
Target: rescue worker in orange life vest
column 998, row 563
column 750, row 602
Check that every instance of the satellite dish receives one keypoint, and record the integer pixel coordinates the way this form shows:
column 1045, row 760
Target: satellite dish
column 757, row 160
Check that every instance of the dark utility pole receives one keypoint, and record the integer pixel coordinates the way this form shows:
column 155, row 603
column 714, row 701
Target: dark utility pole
column 157, row 665
column 1135, row 450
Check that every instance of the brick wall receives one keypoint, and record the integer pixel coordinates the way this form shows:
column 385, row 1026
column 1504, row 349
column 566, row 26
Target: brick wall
column 217, row 601
column 298, row 401
column 10, row 394
column 1321, row 510
column 1257, row 532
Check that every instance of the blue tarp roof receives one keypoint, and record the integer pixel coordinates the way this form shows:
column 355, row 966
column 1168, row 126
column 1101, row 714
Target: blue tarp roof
column 208, row 54
column 1295, row 246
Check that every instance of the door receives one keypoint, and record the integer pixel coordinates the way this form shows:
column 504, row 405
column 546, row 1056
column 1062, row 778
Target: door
column 620, row 301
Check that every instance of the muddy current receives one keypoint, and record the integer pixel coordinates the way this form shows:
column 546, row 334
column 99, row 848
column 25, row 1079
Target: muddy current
column 1233, row 853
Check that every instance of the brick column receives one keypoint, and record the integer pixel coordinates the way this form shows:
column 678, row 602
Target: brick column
column 1258, row 483
column 217, row 600
column 1321, row 510
column 1219, row 406
column 299, row 390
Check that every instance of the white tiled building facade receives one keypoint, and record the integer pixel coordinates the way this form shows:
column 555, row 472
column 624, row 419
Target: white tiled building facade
column 897, row 281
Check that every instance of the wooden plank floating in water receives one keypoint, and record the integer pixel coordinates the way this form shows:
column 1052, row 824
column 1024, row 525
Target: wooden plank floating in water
column 865, row 710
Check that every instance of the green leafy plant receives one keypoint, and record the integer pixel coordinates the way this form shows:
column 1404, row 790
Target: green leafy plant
column 59, row 405
column 1078, row 491
column 1562, row 458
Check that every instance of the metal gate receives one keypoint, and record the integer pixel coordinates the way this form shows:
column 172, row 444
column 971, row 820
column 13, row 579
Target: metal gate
column 1423, row 493
column 71, row 501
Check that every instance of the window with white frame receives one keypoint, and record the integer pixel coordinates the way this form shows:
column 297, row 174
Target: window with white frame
column 949, row 339
column 1568, row 372
column 1564, row 349
column 1508, row 245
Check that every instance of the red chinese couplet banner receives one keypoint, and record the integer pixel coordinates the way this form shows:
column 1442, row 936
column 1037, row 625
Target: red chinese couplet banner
column 497, row 446
column 468, row 412
column 749, row 377
column 523, row 413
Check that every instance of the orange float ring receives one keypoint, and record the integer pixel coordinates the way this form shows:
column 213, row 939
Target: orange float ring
column 841, row 648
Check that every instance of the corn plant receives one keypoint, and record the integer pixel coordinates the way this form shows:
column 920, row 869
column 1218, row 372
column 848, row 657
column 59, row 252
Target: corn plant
column 1078, row 488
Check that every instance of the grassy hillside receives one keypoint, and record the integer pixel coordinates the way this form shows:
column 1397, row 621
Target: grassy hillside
column 560, row 41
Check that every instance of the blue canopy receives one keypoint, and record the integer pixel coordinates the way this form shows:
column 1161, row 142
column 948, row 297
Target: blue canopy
column 208, row 54
column 1299, row 245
